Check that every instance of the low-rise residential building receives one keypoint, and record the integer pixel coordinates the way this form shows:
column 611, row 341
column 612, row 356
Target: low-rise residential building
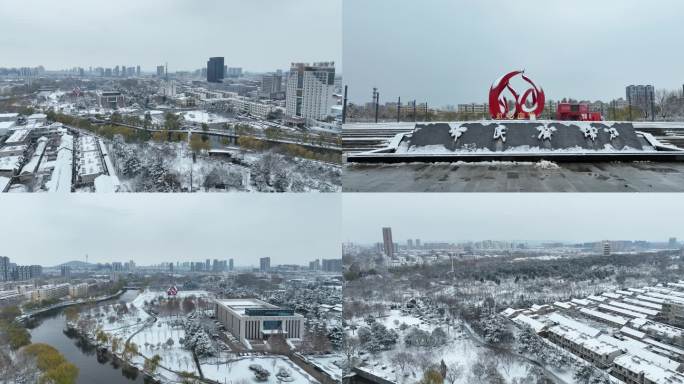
column 674, row 313
column 78, row 290
column 48, row 292
column 90, row 163
column 18, row 137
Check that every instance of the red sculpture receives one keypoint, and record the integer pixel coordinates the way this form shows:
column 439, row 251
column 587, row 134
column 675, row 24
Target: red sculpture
column 498, row 104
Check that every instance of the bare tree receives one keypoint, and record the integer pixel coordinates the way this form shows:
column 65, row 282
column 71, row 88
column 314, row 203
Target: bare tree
column 402, row 360
column 350, row 347
column 454, row 372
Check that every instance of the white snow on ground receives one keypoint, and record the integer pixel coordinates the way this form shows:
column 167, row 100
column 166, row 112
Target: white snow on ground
column 231, row 371
column 200, row 117
column 441, row 149
column 396, row 318
column 328, row 363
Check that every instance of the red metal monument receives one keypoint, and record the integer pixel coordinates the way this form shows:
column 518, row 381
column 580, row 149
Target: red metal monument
column 528, row 104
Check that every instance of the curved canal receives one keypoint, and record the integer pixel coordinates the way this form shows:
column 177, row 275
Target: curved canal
column 49, row 328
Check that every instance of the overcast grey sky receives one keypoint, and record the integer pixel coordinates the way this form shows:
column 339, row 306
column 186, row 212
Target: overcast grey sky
column 509, row 216
column 258, row 35
column 151, row 228
column 450, row 51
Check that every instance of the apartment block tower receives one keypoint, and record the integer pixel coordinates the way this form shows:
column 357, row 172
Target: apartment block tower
column 310, row 90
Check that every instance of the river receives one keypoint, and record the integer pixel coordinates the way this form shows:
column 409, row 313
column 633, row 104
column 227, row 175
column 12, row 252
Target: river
column 49, row 328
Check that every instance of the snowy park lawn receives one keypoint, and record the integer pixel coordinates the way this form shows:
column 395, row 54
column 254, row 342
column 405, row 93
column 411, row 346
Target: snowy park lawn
column 153, row 341
column 235, row 370
column 396, row 318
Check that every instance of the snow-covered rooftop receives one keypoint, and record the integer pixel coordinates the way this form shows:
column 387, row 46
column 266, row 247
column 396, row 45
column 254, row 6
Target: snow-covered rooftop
column 10, row 163
column 535, row 324
column 60, row 181
column 18, row 136
column 619, row 320
column 574, row 324
column 240, row 305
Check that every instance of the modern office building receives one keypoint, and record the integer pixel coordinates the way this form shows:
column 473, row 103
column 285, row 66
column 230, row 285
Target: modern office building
column 310, row 90
column 252, row 319
column 265, row 264
column 215, row 70
column 160, row 71
column 387, row 243
column 111, row 99
column 230, row 265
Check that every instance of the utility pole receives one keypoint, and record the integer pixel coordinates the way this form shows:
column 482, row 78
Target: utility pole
column 426, row 111
column 376, row 102
column 399, row 109
column 377, row 107
column 344, row 106
column 415, row 117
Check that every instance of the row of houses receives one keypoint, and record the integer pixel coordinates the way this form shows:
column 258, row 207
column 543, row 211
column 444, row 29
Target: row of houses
column 631, row 334
column 25, row 292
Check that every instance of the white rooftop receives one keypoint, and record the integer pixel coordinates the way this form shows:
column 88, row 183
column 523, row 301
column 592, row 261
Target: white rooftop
column 240, row 305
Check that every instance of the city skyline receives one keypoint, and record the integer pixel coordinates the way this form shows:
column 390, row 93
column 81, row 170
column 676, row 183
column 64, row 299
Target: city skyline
column 467, row 217
column 94, row 31
column 162, row 228
column 454, row 58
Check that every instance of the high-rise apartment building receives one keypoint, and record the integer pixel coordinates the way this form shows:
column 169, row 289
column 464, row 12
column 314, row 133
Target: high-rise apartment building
column 271, row 84
column 642, row 97
column 234, row 72
column 387, row 243
column 331, row 265
column 606, row 248
column 310, row 90
column 672, row 243
column 65, row 272
column 265, row 264
column 4, row 268
column 215, row 70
